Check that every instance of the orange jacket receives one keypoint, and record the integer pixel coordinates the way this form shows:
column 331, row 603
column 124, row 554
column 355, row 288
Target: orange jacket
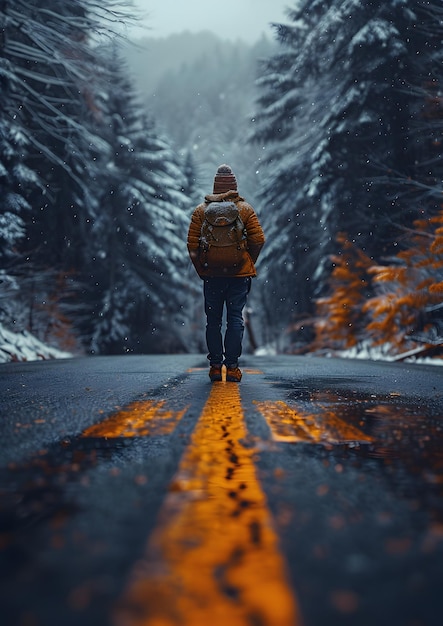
column 254, row 234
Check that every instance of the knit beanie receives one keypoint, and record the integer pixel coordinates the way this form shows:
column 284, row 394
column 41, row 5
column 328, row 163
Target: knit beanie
column 224, row 180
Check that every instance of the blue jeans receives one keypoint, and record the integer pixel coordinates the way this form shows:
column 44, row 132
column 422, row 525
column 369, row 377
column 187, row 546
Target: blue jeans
column 218, row 292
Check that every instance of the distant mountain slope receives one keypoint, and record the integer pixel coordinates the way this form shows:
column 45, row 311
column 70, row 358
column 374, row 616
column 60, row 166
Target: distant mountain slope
column 151, row 58
column 201, row 89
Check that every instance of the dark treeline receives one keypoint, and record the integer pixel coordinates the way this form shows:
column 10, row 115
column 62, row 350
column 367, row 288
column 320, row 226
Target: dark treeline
column 334, row 130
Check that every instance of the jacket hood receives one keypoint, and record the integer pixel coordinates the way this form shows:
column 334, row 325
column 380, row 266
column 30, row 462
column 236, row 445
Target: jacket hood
column 220, row 197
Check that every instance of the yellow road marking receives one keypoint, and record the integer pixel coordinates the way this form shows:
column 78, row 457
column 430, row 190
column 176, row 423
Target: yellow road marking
column 137, row 420
column 213, row 558
column 290, row 425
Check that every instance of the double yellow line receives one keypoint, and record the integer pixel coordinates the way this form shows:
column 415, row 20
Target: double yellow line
column 213, row 559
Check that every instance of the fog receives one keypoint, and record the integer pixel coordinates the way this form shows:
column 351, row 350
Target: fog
column 230, row 19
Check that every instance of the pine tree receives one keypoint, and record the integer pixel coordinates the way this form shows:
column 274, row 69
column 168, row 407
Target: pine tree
column 54, row 72
column 46, row 67
column 16, row 180
column 139, row 256
column 335, row 112
column 407, row 308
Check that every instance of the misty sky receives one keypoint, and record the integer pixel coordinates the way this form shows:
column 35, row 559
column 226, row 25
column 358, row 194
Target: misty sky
column 231, row 19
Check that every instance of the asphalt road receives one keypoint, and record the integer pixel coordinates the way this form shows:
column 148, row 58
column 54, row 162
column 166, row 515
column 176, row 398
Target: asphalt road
column 133, row 492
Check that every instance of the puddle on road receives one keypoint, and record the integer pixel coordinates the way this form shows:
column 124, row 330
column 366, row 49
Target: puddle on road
column 402, row 434
column 396, row 425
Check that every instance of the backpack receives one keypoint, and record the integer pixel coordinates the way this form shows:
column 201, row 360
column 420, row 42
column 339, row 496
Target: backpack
column 222, row 238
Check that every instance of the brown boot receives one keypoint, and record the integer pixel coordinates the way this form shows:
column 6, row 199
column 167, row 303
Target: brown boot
column 215, row 373
column 233, row 374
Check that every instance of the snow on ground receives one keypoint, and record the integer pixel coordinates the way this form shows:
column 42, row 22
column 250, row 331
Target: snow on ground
column 25, row 347
column 382, row 353
column 363, row 351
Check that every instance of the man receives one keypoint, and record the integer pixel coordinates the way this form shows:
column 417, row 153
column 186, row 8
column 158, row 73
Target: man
column 227, row 280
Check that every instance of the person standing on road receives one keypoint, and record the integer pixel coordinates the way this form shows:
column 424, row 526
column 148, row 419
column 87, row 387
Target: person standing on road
column 224, row 241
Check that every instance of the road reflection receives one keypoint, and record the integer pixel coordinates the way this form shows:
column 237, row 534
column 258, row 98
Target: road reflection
column 402, row 434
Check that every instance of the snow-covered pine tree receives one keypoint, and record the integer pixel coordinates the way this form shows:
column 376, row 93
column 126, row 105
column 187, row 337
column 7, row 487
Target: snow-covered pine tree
column 48, row 62
column 334, row 114
column 407, row 310
column 15, row 182
column 407, row 305
column 55, row 71
column 192, row 186
column 139, row 257
column 15, row 179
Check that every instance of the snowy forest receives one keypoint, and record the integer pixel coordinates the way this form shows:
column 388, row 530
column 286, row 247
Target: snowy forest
column 334, row 130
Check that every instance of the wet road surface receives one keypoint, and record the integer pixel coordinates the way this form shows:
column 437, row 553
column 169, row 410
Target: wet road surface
column 133, row 492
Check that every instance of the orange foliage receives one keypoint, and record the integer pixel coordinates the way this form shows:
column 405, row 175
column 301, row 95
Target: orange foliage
column 56, row 329
column 408, row 288
column 339, row 321
column 404, row 292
